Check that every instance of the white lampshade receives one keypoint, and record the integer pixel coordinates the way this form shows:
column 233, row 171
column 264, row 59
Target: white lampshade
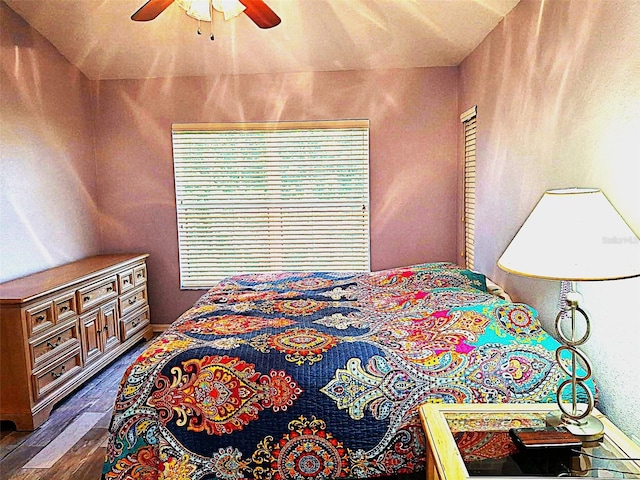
column 574, row 234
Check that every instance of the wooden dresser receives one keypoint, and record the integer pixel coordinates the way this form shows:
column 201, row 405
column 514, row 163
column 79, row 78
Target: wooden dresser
column 61, row 326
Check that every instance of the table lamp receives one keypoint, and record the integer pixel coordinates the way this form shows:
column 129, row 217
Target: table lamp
column 574, row 234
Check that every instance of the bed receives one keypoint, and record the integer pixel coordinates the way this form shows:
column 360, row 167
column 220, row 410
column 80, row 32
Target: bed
column 319, row 374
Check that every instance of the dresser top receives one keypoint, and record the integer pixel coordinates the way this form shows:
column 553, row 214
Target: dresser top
column 38, row 284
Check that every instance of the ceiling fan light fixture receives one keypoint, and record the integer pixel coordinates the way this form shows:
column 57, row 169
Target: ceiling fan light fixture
column 198, row 9
column 201, row 9
column 230, row 8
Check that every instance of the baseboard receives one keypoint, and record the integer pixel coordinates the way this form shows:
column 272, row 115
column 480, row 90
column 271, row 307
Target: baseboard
column 160, row 327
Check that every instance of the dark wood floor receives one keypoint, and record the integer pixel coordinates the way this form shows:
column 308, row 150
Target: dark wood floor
column 84, row 415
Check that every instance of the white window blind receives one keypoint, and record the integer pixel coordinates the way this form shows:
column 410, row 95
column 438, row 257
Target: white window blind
column 266, row 197
column 468, row 119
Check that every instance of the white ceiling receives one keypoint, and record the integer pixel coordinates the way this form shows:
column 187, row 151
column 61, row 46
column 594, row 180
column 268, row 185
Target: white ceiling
column 99, row 37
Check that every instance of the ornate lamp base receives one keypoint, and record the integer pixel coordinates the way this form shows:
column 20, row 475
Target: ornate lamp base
column 588, row 429
column 578, row 421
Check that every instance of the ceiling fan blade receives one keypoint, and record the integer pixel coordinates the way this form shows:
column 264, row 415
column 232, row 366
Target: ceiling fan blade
column 150, row 10
column 260, row 13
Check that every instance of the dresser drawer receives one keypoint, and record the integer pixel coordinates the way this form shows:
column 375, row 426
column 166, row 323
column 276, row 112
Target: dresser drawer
column 39, row 318
column 140, row 274
column 125, row 280
column 133, row 301
column 65, row 307
column 97, row 293
column 57, row 374
column 51, row 346
column 134, row 322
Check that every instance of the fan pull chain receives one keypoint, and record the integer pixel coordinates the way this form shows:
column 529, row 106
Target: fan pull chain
column 199, row 30
column 211, row 25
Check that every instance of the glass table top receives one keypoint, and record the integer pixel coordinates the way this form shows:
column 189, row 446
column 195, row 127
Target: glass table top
column 487, row 449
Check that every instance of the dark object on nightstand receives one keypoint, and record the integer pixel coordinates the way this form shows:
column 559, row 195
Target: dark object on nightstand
column 544, row 450
column 543, row 438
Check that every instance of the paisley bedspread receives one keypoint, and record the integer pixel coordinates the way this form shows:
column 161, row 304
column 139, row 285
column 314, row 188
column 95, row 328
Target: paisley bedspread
column 319, row 375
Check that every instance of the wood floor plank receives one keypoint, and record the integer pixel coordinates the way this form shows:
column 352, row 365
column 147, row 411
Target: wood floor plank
column 98, row 383
column 81, row 457
column 64, row 442
column 60, row 419
column 104, row 403
column 89, row 466
column 104, row 421
column 31, row 475
column 13, row 462
column 10, row 441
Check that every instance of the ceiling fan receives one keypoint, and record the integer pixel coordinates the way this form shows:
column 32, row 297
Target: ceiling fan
column 258, row 11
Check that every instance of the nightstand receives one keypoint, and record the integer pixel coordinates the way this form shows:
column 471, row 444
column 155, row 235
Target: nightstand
column 471, row 440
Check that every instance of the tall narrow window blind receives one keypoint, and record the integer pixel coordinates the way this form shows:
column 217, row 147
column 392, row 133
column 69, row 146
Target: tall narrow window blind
column 267, row 197
column 468, row 119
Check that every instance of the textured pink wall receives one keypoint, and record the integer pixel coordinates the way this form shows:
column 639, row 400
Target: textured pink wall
column 414, row 123
column 557, row 86
column 48, row 212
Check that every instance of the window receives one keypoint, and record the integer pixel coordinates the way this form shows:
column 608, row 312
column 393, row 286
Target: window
column 468, row 119
column 266, row 197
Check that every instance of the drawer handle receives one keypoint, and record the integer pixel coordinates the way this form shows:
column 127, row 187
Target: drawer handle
column 139, row 275
column 106, row 328
column 135, row 323
column 126, row 280
column 109, row 288
column 132, row 300
column 86, row 298
column 58, row 375
column 63, row 308
column 39, row 318
column 54, row 345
